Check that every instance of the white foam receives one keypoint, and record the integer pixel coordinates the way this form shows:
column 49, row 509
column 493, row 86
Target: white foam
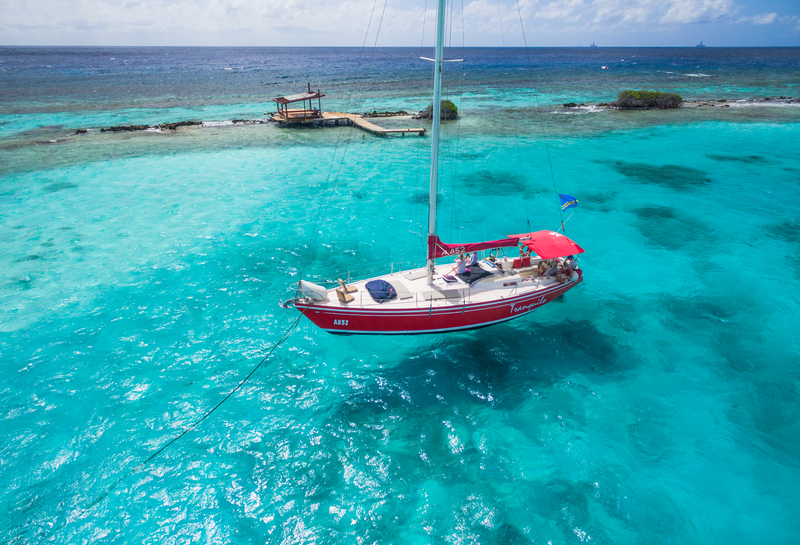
column 765, row 103
column 699, row 75
column 216, row 123
column 579, row 110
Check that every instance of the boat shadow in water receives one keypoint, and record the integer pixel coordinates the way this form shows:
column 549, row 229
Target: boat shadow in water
column 444, row 421
column 501, row 365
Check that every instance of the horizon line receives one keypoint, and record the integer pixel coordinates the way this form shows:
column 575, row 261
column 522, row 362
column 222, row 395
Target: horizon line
column 704, row 46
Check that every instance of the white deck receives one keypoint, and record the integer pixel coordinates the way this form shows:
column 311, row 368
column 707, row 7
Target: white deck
column 413, row 291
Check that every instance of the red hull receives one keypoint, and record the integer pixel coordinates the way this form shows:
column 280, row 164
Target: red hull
column 408, row 321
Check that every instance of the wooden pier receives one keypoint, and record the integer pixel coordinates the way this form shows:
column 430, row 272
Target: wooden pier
column 363, row 124
column 311, row 115
column 341, row 118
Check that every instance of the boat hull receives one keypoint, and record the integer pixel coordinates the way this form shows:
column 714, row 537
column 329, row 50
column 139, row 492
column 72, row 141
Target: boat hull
column 425, row 319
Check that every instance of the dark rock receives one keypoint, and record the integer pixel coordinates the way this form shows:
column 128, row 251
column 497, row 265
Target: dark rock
column 81, row 131
column 570, row 105
column 375, row 113
column 124, row 128
column 173, row 126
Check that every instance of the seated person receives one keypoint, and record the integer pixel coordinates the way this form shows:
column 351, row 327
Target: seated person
column 561, row 274
column 552, row 267
column 473, row 260
column 542, row 268
column 461, row 264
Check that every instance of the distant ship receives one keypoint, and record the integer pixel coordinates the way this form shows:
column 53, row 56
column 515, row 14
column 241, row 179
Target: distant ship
column 593, row 45
column 701, row 44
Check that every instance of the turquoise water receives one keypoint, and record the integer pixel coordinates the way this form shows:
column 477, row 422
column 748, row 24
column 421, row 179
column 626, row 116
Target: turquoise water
column 655, row 403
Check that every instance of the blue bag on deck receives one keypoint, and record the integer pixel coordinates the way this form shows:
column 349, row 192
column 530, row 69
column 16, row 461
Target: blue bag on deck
column 381, row 290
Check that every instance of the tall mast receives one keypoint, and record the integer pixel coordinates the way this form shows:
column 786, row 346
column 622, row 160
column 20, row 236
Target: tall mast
column 437, row 108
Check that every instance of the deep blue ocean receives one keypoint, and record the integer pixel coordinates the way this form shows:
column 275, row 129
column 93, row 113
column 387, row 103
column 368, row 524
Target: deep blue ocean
column 656, row 403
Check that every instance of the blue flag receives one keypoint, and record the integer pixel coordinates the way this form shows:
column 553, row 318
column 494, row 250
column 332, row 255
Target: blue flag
column 567, row 201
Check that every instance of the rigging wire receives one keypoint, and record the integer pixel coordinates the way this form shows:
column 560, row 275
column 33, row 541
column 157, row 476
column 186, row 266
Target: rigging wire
column 502, row 34
column 519, row 154
column 541, row 119
column 322, row 210
column 417, row 216
column 516, row 134
column 455, row 232
column 452, row 163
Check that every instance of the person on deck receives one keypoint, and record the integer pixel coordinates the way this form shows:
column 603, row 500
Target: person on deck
column 473, row 260
column 461, row 264
column 561, row 274
column 542, row 267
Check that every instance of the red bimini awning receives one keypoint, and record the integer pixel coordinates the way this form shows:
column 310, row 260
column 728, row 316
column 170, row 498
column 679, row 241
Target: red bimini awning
column 437, row 248
column 548, row 244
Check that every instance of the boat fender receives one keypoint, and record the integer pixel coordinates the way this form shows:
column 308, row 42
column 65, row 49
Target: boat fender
column 312, row 291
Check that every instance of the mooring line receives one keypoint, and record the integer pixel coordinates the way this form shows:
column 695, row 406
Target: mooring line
column 137, row 469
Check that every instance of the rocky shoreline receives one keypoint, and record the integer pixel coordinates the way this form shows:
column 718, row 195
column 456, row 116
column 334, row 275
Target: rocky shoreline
column 173, row 126
column 698, row 103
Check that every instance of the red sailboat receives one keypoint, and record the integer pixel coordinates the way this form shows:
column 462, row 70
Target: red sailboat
column 426, row 300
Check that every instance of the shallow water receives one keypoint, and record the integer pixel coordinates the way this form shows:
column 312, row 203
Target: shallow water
column 655, row 403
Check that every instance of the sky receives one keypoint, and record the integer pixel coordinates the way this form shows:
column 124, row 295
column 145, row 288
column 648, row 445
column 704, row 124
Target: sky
column 546, row 23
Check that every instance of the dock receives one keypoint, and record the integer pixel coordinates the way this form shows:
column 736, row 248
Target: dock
column 339, row 118
column 372, row 128
column 311, row 114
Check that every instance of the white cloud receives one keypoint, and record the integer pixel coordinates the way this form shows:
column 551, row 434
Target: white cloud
column 624, row 11
column 562, row 9
column 638, row 12
column 265, row 19
column 321, row 22
column 763, row 19
column 697, row 11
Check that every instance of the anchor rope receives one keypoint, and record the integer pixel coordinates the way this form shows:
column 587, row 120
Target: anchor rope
column 102, row 496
